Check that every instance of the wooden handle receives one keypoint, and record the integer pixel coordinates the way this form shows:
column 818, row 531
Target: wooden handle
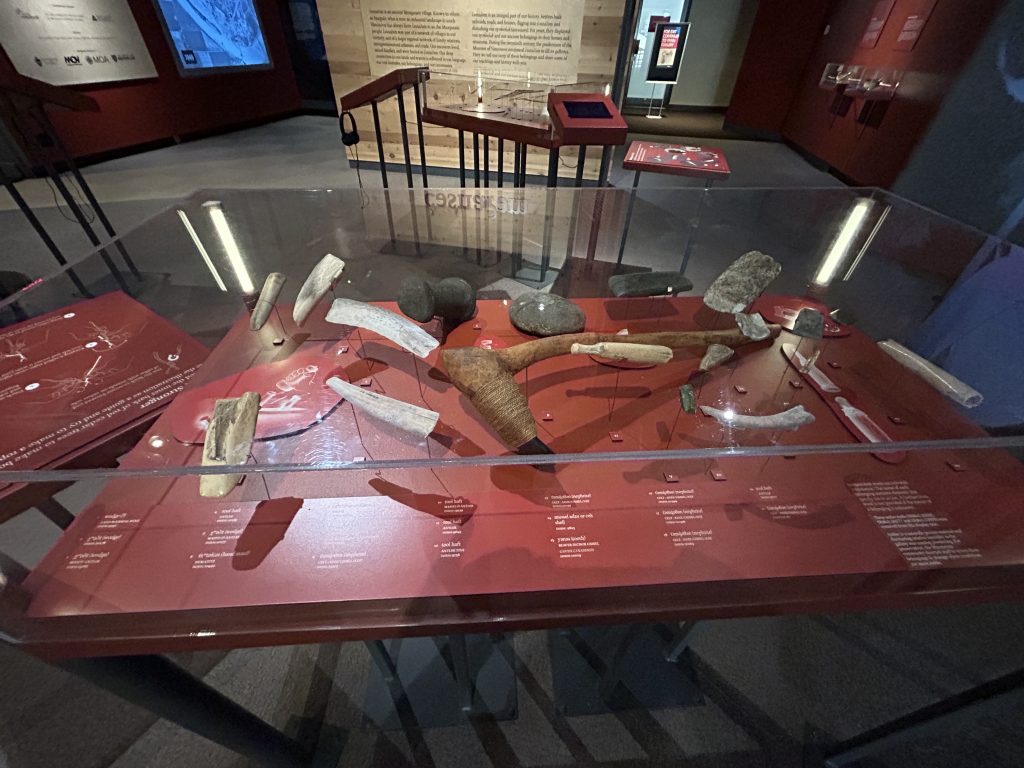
column 616, row 350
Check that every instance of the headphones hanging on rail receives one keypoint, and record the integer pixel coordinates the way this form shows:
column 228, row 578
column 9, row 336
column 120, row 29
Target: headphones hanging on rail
column 350, row 137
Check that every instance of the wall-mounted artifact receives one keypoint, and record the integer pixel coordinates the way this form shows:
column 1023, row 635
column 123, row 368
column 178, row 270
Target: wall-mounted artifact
column 451, row 299
column 646, row 354
column 942, row 381
column 228, row 442
column 715, row 355
column 793, row 419
column 388, row 324
column 267, row 298
column 319, row 281
column 405, row 416
column 648, row 284
column 545, row 314
column 485, row 375
column 742, row 282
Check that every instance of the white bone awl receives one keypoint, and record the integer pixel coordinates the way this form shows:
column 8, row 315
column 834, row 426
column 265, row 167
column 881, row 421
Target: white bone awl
column 410, row 418
column 403, row 332
column 316, row 285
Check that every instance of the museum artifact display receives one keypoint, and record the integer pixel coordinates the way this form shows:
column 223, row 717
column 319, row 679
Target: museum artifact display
column 545, row 314
column 388, row 324
column 630, row 352
column 228, row 441
column 267, row 299
column 941, row 380
column 753, row 326
column 742, row 282
column 793, row 419
column 406, row 417
column 648, row 284
column 452, row 299
column 316, row 285
column 715, row 355
column 485, row 376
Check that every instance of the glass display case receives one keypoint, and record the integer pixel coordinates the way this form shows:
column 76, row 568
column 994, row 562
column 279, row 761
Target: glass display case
column 456, row 470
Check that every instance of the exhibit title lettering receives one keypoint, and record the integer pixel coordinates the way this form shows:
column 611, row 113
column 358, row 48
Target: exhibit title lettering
column 455, row 201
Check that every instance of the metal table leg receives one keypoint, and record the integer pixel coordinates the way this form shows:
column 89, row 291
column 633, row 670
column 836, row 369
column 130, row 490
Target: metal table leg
column 553, row 167
column 405, row 137
column 694, row 226
column 629, row 217
column 45, row 237
column 162, row 687
column 580, row 163
column 380, row 146
column 680, row 641
column 463, row 676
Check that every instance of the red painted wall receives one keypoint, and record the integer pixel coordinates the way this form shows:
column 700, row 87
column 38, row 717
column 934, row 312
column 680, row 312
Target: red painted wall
column 866, row 154
column 168, row 106
column 783, row 38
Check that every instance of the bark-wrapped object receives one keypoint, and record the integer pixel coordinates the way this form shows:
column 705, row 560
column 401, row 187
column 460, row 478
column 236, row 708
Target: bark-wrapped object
column 941, row 380
column 485, row 375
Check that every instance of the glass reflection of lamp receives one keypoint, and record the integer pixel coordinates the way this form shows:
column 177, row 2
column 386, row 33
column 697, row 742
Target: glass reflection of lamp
column 202, row 249
column 227, row 241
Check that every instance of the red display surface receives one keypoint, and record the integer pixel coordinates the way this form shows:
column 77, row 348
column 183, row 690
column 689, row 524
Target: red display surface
column 301, row 555
column 677, row 159
column 69, row 377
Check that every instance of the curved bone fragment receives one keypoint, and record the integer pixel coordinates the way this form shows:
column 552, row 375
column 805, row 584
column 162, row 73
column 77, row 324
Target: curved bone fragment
column 634, row 353
column 794, row 418
column 742, row 282
column 753, row 326
column 318, row 282
column 384, row 322
column 267, row 298
column 228, row 441
column 406, row 416
column 942, row 381
column 715, row 355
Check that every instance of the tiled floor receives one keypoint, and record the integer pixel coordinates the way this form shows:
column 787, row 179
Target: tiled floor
column 772, row 686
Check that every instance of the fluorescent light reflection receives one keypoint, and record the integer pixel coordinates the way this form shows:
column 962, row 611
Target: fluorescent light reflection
column 839, row 250
column 227, row 241
column 202, row 250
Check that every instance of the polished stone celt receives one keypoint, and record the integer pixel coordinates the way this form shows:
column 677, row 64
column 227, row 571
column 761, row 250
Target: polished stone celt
column 810, row 324
column 753, row 326
column 742, row 282
column 648, row 284
column 544, row 314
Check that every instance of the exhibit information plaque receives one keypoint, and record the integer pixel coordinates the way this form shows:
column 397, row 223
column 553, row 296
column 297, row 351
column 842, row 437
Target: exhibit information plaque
column 74, row 42
column 79, row 373
column 501, row 39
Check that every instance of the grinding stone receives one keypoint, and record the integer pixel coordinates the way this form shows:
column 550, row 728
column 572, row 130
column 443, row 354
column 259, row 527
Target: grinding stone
column 544, row 314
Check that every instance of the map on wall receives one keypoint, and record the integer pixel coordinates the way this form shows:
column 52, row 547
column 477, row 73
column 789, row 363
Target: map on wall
column 490, row 37
column 214, row 34
column 72, row 42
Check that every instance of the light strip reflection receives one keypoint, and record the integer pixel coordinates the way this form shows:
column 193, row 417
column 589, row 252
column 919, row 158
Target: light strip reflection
column 839, row 250
column 227, row 241
column 202, row 250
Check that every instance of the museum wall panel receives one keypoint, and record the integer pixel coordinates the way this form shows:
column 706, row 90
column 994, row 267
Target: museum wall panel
column 350, row 63
column 170, row 106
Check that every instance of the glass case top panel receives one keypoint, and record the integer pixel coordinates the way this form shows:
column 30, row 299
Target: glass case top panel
column 887, row 329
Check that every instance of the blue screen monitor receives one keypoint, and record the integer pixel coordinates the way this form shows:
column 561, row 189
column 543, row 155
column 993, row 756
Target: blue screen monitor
column 208, row 36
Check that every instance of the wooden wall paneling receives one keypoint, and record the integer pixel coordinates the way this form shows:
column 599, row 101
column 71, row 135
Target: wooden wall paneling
column 342, row 24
